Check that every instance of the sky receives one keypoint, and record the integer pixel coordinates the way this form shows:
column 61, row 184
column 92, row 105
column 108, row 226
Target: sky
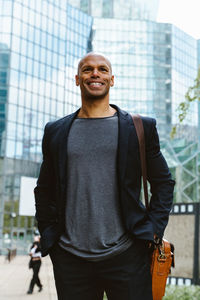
column 185, row 14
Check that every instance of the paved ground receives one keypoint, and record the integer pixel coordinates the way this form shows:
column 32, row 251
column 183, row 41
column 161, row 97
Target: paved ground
column 15, row 278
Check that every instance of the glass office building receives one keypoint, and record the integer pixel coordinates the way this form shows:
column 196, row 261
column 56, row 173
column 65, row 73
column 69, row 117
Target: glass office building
column 41, row 42
column 4, row 60
column 198, row 63
column 120, row 9
column 184, row 70
column 153, row 64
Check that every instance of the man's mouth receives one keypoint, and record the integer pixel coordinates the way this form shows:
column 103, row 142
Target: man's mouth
column 95, row 84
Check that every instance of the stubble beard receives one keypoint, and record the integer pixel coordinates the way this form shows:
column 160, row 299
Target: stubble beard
column 92, row 98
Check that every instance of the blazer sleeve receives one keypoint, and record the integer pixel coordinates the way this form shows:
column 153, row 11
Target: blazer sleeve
column 161, row 183
column 44, row 190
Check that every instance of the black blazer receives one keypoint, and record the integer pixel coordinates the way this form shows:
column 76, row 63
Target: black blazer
column 51, row 185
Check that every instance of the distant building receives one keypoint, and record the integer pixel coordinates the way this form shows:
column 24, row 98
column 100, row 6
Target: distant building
column 120, row 9
column 4, row 64
column 198, row 63
column 154, row 65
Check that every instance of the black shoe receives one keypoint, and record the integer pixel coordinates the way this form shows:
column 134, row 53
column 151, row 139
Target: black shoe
column 29, row 292
column 40, row 289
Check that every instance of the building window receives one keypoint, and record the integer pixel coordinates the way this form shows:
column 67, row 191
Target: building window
column 85, row 5
column 107, row 11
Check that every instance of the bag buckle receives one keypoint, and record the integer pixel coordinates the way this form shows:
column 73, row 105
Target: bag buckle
column 161, row 257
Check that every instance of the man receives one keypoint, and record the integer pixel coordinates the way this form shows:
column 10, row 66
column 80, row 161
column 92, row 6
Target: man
column 87, row 196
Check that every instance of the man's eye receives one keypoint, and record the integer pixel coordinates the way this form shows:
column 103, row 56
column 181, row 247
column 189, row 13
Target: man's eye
column 103, row 69
column 86, row 69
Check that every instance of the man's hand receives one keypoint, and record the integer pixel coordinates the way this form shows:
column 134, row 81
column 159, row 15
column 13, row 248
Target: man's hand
column 156, row 242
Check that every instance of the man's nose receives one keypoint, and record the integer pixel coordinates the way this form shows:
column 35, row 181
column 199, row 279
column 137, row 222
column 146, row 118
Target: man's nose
column 95, row 72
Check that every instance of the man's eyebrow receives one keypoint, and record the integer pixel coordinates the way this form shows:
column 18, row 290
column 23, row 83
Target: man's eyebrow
column 90, row 66
column 104, row 66
column 83, row 66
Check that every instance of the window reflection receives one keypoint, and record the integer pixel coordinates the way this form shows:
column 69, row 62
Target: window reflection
column 38, row 70
column 10, row 151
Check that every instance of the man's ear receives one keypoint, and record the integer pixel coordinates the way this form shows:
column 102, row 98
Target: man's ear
column 77, row 80
column 112, row 81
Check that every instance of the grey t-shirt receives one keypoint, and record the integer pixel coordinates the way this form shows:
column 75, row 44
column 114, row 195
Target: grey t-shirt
column 94, row 229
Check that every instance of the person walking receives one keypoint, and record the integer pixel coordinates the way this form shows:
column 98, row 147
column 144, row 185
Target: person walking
column 92, row 223
column 35, row 264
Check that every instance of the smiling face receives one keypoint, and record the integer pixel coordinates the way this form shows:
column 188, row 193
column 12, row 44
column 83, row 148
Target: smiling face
column 94, row 77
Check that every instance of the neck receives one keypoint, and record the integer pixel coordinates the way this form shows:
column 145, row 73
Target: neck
column 96, row 109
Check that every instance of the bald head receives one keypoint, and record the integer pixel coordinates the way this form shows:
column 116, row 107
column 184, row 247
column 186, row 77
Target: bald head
column 93, row 54
column 94, row 77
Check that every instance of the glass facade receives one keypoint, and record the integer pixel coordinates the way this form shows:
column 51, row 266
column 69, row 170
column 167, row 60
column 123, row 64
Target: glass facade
column 198, row 53
column 198, row 63
column 183, row 160
column 78, row 42
column 41, row 42
column 153, row 64
column 183, row 73
column 4, row 63
column 130, row 49
column 120, row 9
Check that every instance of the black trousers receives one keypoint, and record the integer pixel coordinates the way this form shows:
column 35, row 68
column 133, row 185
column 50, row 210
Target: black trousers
column 35, row 279
column 124, row 277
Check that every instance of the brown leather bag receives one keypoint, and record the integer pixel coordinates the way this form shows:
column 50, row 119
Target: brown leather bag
column 163, row 253
column 162, row 260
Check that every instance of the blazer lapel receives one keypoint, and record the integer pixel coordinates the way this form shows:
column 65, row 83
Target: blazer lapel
column 62, row 156
column 124, row 131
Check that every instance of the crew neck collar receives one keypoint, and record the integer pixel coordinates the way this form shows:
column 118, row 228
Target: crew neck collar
column 99, row 118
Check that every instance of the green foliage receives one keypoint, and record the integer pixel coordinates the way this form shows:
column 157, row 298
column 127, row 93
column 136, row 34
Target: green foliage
column 192, row 94
column 182, row 292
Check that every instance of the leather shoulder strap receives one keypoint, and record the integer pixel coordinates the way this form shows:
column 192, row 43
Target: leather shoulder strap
column 141, row 138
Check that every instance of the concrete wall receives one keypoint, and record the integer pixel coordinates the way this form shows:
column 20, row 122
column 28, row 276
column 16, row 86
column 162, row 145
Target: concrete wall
column 180, row 232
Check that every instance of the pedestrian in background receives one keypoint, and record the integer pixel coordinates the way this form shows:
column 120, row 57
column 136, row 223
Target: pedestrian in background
column 35, row 264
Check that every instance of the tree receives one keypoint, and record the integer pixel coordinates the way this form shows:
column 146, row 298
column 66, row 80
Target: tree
column 192, row 94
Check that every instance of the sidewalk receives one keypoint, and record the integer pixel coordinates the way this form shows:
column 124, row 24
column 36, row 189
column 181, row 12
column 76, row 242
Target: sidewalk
column 15, row 278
